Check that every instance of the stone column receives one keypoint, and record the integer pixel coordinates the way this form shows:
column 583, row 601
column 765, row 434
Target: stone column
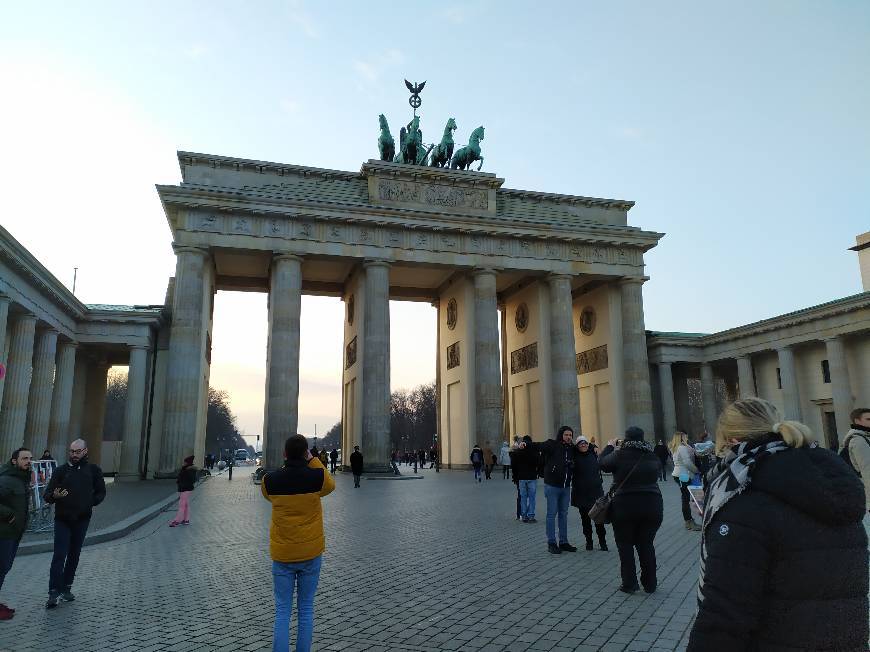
column 487, row 370
column 635, row 364
column 186, row 359
column 13, row 415
column 745, row 380
column 790, row 397
column 95, row 409
column 708, row 399
column 41, row 386
column 376, row 366
column 563, row 356
column 134, row 410
column 669, row 406
column 282, row 360
column 4, row 315
column 841, row 388
column 61, row 400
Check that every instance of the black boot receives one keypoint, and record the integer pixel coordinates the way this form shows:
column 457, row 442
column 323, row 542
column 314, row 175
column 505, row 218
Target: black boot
column 602, row 543
column 589, row 542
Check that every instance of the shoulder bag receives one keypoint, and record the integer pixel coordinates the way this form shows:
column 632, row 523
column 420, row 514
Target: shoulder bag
column 600, row 512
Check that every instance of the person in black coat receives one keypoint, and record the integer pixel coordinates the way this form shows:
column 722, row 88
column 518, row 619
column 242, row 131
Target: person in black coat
column 186, row 481
column 524, row 465
column 784, row 560
column 356, row 466
column 636, row 510
column 586, row 488
column 662, row 452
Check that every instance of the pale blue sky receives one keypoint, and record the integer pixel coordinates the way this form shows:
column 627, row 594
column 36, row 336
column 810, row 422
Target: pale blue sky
column 739, row 128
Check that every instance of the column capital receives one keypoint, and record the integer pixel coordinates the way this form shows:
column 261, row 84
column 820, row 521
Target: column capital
column 785, row 347
column 4, row 298
column 664, row 364
column 143, row 347
column 47, row 330
column 278, row 255
column 480, row 271
column 186, row 249
column 555, row 277
column 742, row 356
column 68, row 343
column 376, row 262
column 833, row 338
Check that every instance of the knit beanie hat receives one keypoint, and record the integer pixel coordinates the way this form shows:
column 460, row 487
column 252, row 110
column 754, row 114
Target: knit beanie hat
column 188, row 460
column 634, row 433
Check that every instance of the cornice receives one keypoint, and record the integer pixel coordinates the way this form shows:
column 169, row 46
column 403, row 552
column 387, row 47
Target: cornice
column 234, row 201
column 833, row 308
column 261, row 167
column 571, row 200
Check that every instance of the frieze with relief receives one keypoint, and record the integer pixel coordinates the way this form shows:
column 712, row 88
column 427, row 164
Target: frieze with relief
column 592, row 360
column 409, row 238
column 525, row 358
column 408, row 192
column 453, row 360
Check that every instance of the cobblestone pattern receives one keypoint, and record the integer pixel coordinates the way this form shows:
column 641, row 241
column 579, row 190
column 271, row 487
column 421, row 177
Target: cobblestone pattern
column 439, row 564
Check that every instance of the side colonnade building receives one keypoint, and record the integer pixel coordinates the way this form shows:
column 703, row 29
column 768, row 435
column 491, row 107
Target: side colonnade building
column 57, row 353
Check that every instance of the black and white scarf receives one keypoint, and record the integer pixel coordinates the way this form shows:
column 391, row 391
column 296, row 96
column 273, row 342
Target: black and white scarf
column 731, row 477
column 641, row 445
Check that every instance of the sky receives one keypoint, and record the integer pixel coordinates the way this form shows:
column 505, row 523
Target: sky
column 740, row 129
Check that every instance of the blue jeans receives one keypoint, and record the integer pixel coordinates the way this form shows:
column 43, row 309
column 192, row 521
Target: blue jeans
column 476, row 471
column 558, row 499
column 528, row 493
column 68, row 539
column 303, row 576
column 8, row 548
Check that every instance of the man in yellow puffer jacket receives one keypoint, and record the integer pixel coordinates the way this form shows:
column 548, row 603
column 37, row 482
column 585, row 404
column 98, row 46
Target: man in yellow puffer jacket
column 296, row 540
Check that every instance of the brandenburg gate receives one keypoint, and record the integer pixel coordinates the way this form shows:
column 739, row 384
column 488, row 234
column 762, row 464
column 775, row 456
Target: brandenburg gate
column 538, row 297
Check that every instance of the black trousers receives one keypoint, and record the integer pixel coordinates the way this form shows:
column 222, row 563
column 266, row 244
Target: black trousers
column 636, row 518
column 685, row 498
column 487, row 470
column 586, row 523
column 68, row 540
column 506, row 471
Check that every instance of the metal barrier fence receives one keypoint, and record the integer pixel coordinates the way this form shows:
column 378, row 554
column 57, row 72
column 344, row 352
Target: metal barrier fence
column 41, row 513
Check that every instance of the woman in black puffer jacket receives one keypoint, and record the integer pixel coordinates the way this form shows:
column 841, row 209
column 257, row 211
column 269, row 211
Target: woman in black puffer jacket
column 636, row 511
column 586, row 488
column 784, row 560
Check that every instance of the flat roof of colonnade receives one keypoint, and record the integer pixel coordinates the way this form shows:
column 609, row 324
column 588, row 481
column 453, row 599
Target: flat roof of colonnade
column 428, row 222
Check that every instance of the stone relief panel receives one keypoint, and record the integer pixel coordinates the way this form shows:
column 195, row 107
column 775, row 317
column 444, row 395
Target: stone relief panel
column 521, row 318
column 587, row 320
column 525, row 358
column 436, row 196
column 453, row 355
column 452, row 314
column 350, row 354
column 592, row 360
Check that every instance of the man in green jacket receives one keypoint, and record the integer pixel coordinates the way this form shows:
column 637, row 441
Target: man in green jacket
column 14, row 485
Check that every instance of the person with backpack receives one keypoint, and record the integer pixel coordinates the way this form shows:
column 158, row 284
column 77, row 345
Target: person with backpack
column 476, row 458
column 856, row 448
column 185, row 481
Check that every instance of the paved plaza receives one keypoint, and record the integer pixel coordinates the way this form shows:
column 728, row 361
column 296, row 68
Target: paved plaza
column 432, row 564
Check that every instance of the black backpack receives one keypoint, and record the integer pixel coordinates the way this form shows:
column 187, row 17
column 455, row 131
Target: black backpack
column 844, row 451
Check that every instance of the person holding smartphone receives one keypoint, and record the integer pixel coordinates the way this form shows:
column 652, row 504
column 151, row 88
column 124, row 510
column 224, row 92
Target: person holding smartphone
column 75, row 489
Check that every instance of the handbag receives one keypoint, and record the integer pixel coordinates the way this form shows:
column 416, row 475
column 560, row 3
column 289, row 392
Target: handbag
column 600, row 511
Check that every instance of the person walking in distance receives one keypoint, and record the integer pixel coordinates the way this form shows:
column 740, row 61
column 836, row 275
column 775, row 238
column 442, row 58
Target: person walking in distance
column 14, row 487
column 296, row 540
column 784, row 561
column 476, row 458
column 663, row 454
column 186, row 482
column 636, row 510
column 587, row 487
column 489, row 459
column 394, row 457
column 684, row 470
column 75, row 489
column 558, row 459
column 504, row 458
column 356, row 466
column 333, row 459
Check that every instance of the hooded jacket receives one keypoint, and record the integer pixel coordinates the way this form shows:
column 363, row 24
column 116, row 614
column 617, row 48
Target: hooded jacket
column 787, row 561
column 14, row 483
column 558, row 458
column 86, row 487
column 524, row 463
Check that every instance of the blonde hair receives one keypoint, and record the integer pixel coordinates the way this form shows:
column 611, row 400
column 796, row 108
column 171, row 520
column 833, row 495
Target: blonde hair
column 677, row 441
column 753, row 418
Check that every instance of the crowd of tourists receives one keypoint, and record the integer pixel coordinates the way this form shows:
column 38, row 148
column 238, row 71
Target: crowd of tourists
column 783, row 543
